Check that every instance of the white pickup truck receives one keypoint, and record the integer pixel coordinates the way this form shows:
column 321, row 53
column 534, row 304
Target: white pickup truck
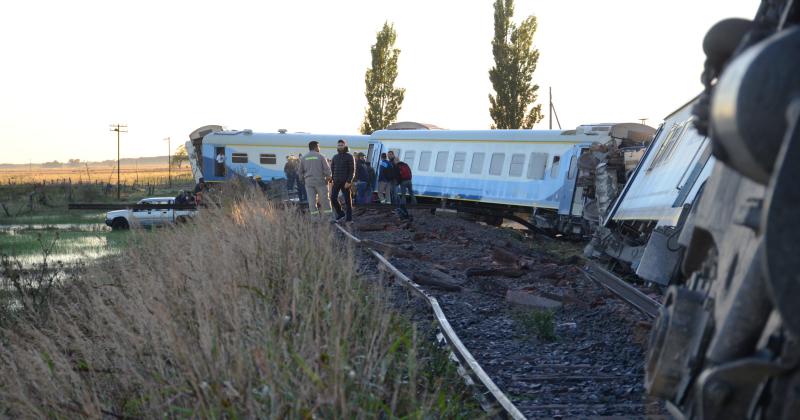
column 128, row 218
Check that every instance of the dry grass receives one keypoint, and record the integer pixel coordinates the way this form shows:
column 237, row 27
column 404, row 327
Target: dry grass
column 80, row 173
column 251, row 312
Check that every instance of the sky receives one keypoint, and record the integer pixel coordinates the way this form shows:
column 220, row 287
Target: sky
column 72, row 68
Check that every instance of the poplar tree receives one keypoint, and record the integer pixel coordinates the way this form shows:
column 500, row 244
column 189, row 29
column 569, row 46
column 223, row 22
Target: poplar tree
column 383, row 100
column 512, row 75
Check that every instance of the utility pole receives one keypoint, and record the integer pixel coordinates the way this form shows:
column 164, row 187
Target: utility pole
column 169, row 162
column 119, row 128
column 553, row 111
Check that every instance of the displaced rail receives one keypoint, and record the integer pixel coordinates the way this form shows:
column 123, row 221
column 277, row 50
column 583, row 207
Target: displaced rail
column 623, row 289
column 501, row 401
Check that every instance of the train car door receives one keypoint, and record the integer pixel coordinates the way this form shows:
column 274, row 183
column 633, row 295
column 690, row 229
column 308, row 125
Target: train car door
column 374, row 157
column 568, row 190
column 219, row 168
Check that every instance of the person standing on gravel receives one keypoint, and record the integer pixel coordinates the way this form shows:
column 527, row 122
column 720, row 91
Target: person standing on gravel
column 301, row 183
column 290, row 170
column 404, row 174
column 385, row 179
column 395, row 175
column 316, row 173
column 343, row 168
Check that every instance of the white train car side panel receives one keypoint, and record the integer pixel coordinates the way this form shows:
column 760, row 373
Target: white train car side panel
column 670, row 174
column 511, row 167
column 264, row 154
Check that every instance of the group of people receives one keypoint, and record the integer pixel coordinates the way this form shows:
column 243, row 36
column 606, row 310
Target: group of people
column 394, row 181
column 328, row 184
column 192, row 198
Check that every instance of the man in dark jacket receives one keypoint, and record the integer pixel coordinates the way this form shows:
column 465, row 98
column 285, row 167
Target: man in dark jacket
column 343, row 169
column 290, row 170
column 394, row 175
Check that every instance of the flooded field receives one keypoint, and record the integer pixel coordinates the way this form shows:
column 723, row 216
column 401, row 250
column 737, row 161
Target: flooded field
column 64, row 242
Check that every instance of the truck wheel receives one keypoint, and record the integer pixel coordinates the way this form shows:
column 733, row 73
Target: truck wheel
column 181, row 220
column 119, row 224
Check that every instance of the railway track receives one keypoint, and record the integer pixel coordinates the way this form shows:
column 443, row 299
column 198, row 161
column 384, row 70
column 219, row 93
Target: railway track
column 622, row 289
column 497, row 401
column 593, row 368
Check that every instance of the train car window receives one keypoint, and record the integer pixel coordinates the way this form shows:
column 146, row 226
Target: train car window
column 668, row 147
column 554, row 168
column 537, row 165
column 458, row 162
column 517, row 163
column 496, row 164
column 239, row 157
column 424, row 161
column 409, row 158
column 441, row 162
column 573, row 167
column 268, row 159
column 476, row 167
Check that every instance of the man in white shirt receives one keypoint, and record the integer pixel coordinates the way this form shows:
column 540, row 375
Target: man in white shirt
column 220, row 164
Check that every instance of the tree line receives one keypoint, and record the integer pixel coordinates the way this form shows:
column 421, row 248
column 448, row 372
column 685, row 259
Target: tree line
column 511, row 105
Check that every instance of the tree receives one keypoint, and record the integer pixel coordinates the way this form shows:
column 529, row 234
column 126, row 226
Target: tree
column 383, row 100
column 180, row 156
column 512, row 75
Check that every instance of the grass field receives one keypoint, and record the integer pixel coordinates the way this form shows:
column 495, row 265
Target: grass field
column 90, row 173
column 237, row 315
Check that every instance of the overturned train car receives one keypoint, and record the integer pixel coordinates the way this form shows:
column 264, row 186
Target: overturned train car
column 727, row 341
column 638, row 224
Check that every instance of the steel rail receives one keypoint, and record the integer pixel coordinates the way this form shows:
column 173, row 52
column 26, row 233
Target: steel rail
column 622, row 289
column 459, row 349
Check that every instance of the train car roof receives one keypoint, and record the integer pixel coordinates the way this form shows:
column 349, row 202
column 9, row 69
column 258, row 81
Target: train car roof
column 587, row 133
column 247, row 137
column 480, row 135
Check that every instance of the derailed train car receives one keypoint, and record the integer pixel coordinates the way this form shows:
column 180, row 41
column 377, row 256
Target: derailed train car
column 641, row 227
column 727, row 341
column 244, row 152
column 533, row 173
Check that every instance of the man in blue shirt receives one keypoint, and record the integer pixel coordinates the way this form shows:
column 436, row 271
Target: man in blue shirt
column 385, row 179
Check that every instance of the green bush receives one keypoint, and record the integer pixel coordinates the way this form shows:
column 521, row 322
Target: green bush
column 540, row 323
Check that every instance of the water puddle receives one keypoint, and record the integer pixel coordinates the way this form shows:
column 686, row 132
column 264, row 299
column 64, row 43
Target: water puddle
column 44, row 227
column 73, row 250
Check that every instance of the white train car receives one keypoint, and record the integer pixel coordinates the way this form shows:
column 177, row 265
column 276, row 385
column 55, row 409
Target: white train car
column 530, row 169
column 669, row 175
column 642, row 226
column 259, row 154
